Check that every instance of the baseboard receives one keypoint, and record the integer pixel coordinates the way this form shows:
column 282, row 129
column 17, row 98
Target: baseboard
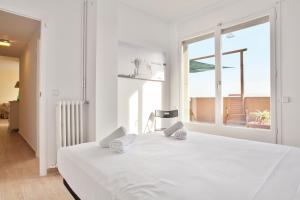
column 30, row 145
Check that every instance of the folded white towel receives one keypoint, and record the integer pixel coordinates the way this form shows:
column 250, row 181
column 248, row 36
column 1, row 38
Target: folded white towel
column 180, row 134
column 119, row 132
column 172, row 129
column 120, row 145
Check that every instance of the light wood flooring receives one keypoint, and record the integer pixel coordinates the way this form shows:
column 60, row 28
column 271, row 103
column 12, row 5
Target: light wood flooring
column 19, row 176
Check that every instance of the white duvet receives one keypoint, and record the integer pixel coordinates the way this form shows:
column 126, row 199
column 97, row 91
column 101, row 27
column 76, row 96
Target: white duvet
column 203, row 167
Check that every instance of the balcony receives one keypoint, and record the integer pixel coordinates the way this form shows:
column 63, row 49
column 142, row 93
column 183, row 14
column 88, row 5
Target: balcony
column 250, row 112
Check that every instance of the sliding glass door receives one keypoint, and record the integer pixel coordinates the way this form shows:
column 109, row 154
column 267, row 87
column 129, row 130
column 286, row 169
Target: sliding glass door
column 229, row 77
column 246, row 88
column 201, row 79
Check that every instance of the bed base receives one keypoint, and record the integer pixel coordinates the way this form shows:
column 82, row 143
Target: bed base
column 70, row 190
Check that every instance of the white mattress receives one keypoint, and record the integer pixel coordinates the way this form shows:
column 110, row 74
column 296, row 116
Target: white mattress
column 203, row 167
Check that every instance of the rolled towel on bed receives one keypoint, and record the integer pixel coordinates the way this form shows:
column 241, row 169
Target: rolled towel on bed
column 119, row 132
column 120, row 145
column 180, row 134
column 172, row 129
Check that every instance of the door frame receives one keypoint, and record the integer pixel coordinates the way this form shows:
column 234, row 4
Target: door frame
column 41, row 88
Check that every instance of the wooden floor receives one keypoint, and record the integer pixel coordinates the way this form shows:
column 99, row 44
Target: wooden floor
column 19, row 177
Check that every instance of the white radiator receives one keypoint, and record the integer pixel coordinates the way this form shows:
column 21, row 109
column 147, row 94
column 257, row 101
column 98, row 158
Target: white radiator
column 69, row 121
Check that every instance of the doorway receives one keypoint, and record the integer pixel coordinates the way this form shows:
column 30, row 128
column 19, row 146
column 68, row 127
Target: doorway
column 19, row 46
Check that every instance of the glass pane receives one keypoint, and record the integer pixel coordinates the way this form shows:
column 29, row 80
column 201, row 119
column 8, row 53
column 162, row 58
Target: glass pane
column 246, row 76
column 202, row 80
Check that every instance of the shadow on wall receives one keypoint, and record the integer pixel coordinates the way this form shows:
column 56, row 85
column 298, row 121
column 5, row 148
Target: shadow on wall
column 136, row 100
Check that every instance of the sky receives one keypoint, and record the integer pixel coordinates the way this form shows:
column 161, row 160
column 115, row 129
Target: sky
column 256, row 64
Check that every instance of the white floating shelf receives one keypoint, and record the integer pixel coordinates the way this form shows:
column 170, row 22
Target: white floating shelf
column 138, row 78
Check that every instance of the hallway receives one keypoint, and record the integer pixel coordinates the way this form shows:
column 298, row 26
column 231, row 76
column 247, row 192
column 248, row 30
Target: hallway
column 19, row 177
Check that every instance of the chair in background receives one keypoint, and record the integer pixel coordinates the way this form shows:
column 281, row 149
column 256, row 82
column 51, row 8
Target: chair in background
column 162, row 114
column 150, row 123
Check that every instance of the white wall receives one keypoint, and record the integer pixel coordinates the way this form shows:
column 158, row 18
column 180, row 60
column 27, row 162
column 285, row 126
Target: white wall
column 290, row 42
column 138, row 28
column 28, row 92
column 106, row 71
column 9, row 75
column 91, row 72
column 207, row 20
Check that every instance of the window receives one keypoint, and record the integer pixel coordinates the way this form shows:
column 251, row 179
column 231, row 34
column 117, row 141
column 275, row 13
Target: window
column 228, row 76
column 201, row 79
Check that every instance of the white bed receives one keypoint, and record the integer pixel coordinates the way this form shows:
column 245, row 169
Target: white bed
column 202, row 167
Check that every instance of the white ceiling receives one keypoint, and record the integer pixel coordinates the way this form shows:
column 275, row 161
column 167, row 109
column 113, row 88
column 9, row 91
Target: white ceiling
column 18, row 29
column 172, row 9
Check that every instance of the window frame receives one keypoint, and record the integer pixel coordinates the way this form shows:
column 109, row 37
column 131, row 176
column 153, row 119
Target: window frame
column 258, row 134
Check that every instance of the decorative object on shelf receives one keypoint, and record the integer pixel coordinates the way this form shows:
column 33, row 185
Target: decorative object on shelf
column 137, row 63
column 141, row 63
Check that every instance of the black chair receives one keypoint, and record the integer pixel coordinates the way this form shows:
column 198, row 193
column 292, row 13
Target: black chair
column 164, row 115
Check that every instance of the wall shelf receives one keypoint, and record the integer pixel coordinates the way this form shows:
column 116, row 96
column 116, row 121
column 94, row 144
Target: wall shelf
column 137, row 78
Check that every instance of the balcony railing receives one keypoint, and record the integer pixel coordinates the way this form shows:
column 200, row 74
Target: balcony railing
column 251, row 112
